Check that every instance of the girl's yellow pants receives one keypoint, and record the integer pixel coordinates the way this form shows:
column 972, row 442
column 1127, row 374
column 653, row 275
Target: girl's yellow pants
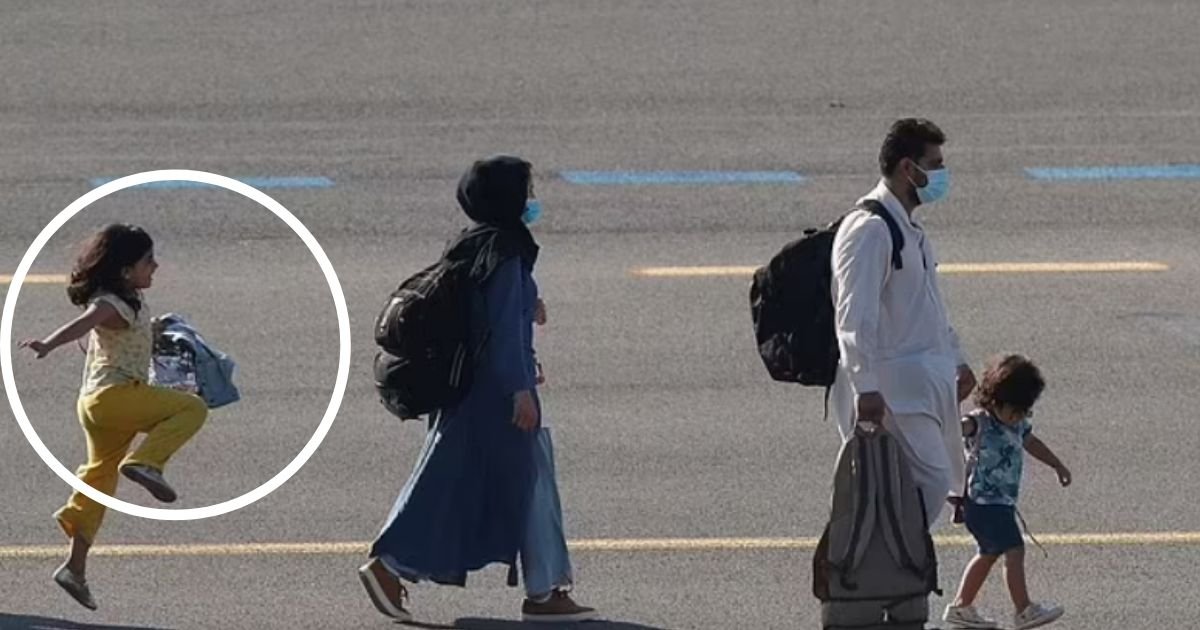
column 112, row 417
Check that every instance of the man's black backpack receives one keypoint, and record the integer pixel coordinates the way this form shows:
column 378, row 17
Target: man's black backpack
column 791, row 304
column 425, row 360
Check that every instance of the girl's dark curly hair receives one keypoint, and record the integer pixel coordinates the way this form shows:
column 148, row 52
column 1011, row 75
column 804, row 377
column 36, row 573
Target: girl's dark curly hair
column 1010, row 379
column 102, row 262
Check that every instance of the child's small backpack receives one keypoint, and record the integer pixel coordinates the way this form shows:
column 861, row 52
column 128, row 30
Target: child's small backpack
column 791, row 304
column 875, row 565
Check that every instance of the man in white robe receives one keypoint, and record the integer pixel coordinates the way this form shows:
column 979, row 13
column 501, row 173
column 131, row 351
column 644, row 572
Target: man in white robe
column 901, row 363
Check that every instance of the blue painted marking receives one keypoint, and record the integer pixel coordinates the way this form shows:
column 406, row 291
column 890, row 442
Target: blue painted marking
column 642, row 178
column 1173, row 171
column 257, row 182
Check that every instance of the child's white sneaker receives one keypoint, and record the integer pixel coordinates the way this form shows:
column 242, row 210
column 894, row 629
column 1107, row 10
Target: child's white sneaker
column 1037, row 614
column 967, row 617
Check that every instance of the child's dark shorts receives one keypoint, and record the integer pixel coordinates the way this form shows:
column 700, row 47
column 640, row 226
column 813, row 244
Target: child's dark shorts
column 994, row 528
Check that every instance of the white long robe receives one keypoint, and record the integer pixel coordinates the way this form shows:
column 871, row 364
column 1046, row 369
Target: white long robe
column 895, row 338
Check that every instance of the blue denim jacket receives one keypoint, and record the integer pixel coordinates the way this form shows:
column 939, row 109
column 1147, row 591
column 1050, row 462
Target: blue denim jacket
column 214, row 369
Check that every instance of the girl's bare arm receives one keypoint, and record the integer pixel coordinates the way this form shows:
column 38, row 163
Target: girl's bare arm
column 97, row 314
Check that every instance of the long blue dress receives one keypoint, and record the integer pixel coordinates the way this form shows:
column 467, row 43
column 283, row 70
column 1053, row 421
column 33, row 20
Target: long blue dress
column 467, row 502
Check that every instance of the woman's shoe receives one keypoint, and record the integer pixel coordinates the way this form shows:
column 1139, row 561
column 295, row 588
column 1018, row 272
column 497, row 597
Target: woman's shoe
column 560, row 608
column 385, row 589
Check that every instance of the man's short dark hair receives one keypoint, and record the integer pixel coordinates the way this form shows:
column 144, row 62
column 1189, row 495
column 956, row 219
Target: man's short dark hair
column 908, row 138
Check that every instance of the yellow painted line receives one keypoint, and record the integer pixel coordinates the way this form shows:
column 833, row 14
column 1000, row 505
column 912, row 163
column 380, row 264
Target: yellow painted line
column 245, row 549
column 742, row 544
column 693, row 272
column 1054, row 267
column 37, row 278
column 947, row 268
column 597, row 545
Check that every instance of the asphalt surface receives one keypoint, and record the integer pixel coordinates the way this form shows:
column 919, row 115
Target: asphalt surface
column 665, row 423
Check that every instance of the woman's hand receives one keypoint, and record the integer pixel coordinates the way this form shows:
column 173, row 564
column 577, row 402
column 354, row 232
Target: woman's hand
column 525, row 411
column 40, row 348
column 539, row 313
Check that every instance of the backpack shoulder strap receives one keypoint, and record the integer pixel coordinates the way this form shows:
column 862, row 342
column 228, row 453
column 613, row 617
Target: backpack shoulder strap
column 897, row 516
column 857, row 479
column 971, row 443
column 877, row 209
column 982, row 420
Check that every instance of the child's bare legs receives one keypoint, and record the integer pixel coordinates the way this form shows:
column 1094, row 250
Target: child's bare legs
column 77, row 561
column 1014, row 575
column 70, row 575
column 973, row 579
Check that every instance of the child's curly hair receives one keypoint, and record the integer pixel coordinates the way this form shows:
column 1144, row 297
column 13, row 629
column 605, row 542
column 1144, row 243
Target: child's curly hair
column 1010, row 379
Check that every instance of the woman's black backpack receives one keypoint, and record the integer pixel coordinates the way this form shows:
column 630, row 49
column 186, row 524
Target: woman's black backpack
column 425, row 359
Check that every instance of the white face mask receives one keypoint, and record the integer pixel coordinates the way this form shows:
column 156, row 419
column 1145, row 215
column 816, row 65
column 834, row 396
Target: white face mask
column 937, row 186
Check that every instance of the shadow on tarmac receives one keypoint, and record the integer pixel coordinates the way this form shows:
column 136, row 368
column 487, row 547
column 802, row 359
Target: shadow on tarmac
column 30, row 622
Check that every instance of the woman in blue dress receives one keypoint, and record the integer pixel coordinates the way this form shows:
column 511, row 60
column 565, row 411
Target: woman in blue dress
column 483, row 490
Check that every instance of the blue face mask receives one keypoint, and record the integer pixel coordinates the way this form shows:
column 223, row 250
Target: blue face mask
column 936, row 188
column 533, row 212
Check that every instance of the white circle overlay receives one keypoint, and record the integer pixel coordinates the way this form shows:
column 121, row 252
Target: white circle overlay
column 335, row 288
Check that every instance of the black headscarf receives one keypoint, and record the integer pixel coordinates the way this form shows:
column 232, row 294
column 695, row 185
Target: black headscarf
column 493, row 193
